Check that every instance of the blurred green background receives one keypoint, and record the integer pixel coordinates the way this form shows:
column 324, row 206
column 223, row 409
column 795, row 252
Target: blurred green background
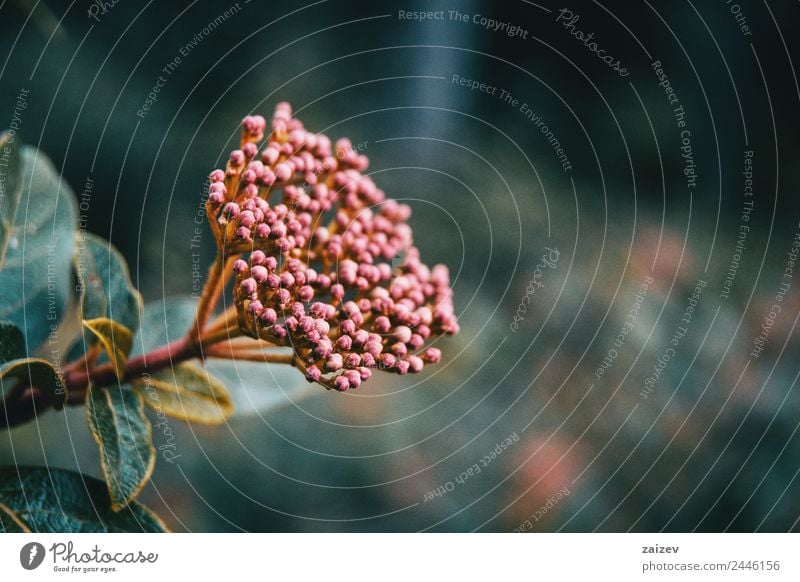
column 713, row 446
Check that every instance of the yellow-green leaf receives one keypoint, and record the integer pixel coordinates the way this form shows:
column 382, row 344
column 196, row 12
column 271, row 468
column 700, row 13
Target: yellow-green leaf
column 127, row 456
column 187, row 392
column 10, row 521
column 36, row 372
column 116, row 339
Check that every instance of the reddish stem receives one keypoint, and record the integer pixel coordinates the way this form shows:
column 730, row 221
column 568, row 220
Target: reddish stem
column 208, row 298
column 23, row 402
column 77, row 381
column 227, row 353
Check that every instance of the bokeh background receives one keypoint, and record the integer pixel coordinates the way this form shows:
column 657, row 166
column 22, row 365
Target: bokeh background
column 714, row 446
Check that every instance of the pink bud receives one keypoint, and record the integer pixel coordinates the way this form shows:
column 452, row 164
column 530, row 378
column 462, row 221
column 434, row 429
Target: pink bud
column 323, row 327
column 306, row 323
column 247, row 219
column 279, row 230
column 262, row 231
column 382, row 324
column 259, row 273
column 313, row 374
column 249, row 177
column 285, row 244
column 305, row 293
column 268, row 316
column 270, row 155
column 415, row 364
column 387, row 360
column 323, row 348
column 341, row 383
column 415, row 342
column 237, row 158
column 374, row 348
column 318, row 309
column 283, row 171
column 402, row 333
column 400, row 349
column 334, row 362
column 254, row 125
column 287, row 280
column 360, row 337
column 249, row 150
column 248, row 286
column 231, row 210
column 268, row 178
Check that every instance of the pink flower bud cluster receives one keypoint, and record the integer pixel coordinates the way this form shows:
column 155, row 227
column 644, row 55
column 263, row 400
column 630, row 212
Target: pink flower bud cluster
column 302, row 173
column 332, row 271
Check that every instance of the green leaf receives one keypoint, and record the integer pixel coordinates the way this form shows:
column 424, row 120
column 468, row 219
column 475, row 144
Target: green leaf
column 36, row 372
column 58, row 501
column 255, row 388
column 127, row 456
column 10, row 521
column 187, row 392
column 10, row 189
column 106, row 288
column 12, row 342
column 36, row 279
column 116, row 340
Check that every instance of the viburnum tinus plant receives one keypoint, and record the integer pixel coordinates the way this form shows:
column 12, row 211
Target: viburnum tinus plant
column 315, row 269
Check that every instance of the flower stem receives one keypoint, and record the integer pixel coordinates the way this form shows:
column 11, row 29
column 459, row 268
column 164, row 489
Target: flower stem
column 210, row 296
column 215, row 336
column 249, row 355
column 224, row 321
